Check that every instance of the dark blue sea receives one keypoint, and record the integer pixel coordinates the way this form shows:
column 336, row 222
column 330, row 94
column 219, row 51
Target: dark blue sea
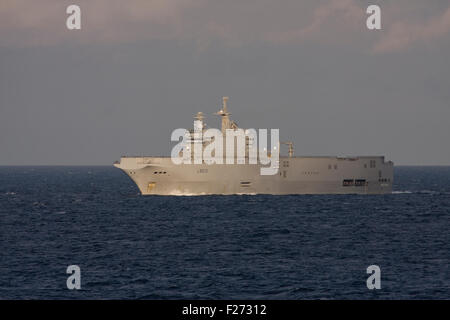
column 219, row 247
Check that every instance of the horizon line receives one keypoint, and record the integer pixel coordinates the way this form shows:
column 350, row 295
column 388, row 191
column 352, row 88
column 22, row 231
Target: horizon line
column 112, row 165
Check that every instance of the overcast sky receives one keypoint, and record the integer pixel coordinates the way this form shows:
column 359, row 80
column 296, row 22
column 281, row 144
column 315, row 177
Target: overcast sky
column 139, row 69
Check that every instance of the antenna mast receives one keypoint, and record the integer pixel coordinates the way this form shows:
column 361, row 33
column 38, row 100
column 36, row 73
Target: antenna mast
column 225, row 115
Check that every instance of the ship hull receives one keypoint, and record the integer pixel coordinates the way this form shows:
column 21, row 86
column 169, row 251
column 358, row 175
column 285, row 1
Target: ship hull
column 296, row 175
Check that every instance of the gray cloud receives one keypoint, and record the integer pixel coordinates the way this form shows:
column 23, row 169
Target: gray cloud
column 402, row 34
column 233, row 23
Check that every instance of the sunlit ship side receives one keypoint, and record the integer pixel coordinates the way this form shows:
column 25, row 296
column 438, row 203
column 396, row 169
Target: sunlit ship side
column 296, row 175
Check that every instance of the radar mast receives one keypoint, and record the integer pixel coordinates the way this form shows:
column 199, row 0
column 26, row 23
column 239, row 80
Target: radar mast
column 226, row 123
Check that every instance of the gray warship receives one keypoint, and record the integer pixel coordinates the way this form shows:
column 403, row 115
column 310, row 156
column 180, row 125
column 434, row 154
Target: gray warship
column 295, row 174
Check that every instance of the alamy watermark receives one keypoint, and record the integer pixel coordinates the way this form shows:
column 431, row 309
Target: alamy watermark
column 73, row 21
column 74, row 280
column 212, row 146
column 374, row 281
